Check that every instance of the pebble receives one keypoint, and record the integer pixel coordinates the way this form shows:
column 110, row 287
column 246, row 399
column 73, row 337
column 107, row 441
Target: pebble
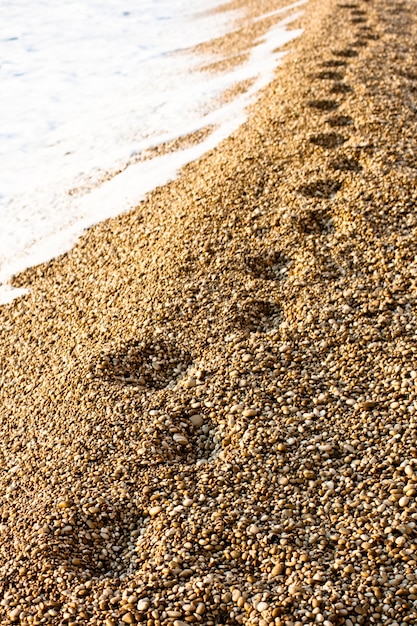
column 143, row 605
column 278, row 569
column 181, row 439
column 15, row 614
column 155, row 510
column 197, row 420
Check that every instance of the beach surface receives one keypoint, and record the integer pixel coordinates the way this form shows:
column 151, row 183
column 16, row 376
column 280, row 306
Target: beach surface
column 208, row 406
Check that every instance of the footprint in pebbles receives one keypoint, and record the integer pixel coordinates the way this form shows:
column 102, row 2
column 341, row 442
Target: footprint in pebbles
column 152, row 365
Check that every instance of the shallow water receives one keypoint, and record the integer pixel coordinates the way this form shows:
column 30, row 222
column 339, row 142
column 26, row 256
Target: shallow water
column 86, row 85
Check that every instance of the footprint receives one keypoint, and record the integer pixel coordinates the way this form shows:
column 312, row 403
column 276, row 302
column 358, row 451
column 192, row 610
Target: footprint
column 323, row 105
column 340, row 120
column 347, row 53
column 345, row 164
column 358, row 20
column 408, row 74
column 155, row 365
column 341, row 88
column 329, row 75
column 359, row 43
column 328, row 140
column 348, row 6
column 315, row 222
column 270, row 266
column 370, row 37
column 258, row 315
column 103, row 551
column 334, row 63
column 321, row 189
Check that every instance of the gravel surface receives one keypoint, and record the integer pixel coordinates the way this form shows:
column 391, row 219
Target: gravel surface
column 208, row 407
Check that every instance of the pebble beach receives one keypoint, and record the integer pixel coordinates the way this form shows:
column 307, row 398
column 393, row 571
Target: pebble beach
column 208, row 406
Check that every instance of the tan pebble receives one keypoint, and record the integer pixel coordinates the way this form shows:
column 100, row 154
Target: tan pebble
column 294, row 589
column 368, row 404
column 155, row 510
column 186, row 573
column 190, row 383
column 65, row 504
column 309, row 474
column 108, row 622
column 14, row 615
column 201, row 608
column 249, row 413
column 183, row 441
column 236, row 594
column 349, row 569
column 283, row 481
column 197, row 420
column 253, row 529
column 246, row 358
column 179, row 622
column 128, row 618
column 143, row 605
column 278, row 569
column 262, row 606
column 187, row 502
column 404, row 501
column 237, row 408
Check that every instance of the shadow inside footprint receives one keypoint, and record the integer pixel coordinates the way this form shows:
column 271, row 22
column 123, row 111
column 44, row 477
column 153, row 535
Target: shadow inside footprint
column 155, row 365
column 358, row 20
column 409, row 75
column 271, row 266
column 329, row 75
column 347, row 53
column 315, row 222
column 321, row 189
column 345, row 164
column 360, row 43
column 334, row 63
column 260, row 315
column 341, row 88
column 323, row 105
column 340, row 120
column 328, row 140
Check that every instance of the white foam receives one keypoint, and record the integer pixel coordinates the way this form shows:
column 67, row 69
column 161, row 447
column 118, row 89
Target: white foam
column 34, row 232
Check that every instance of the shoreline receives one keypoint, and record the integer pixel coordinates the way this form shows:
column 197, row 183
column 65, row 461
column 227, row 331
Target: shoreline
column 208, row 405
column 109, row 192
